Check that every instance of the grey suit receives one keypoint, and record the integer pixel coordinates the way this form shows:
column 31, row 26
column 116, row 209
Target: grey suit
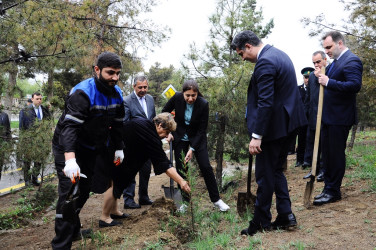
column 133, row 110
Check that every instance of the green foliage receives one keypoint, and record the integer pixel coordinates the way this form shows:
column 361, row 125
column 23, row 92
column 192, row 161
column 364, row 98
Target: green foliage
column 28, row 207
column 224, row 78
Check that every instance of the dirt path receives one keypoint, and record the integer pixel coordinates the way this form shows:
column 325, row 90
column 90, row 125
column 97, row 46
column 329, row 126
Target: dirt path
column 347, row 224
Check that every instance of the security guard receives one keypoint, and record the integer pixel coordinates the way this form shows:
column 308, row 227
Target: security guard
column 93, row 114
column 302, row 132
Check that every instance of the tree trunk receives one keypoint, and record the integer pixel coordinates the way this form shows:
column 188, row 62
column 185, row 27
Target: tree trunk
column 8, row 99
column 219, row 150
column 50, row 84
column 352, row 139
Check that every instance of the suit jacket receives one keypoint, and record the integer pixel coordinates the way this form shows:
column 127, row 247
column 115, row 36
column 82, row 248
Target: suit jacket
column 312, row 100
column 133, row 107
column 345, row 81
column 274, row 105
column 28, row 116
column 196, row 130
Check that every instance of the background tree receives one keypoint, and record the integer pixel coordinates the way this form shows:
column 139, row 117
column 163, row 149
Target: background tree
column 224, row 78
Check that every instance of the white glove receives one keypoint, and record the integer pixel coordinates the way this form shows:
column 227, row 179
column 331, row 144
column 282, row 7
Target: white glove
column 72, row 169
column 119, row 157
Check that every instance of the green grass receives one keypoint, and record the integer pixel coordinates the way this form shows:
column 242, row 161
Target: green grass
column 14, row 124
column 362, row 159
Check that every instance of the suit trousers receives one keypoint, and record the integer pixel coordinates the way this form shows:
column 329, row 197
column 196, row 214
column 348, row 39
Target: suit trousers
column 206, row 169
column 302, row 134
column 144, row 176
column 35, row 171
column 270, row 179
column 65, row 231
column 333, row 139
column 309, row 150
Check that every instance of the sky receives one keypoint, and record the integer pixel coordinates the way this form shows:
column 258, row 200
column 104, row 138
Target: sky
column 188, row 20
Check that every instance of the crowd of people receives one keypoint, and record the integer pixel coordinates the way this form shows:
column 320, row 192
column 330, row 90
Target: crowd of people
column 102, row 139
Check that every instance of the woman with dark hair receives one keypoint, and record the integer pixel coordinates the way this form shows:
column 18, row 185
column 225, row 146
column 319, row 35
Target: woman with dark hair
column 191, row 116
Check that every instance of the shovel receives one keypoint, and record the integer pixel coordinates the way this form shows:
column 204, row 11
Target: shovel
column 172, row 192
column 246, row 199
column 310, row 183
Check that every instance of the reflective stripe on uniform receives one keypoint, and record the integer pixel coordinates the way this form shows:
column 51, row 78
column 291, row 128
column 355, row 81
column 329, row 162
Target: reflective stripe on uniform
column 70, row 117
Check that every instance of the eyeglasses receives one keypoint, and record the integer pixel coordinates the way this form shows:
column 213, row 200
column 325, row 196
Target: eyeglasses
column 306, row 77
column 317, row 62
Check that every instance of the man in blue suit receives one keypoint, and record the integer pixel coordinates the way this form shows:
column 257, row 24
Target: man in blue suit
column 274, row 113
column 139, row 104
column 342, row 82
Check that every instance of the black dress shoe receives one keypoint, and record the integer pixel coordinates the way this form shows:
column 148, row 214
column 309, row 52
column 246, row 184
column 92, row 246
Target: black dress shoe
column 123, row 216
column 253, row 228
column 145, row 201
column 319, row 195
column 131, row 205
column 284, row 221
column 83, row 234
column 105, row 224
column 320, row 177
column 326, row 198
column 299, row 164
column 307, row 176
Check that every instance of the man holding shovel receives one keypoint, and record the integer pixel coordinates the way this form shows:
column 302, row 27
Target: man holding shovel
column 274, row 113
column 342, row 82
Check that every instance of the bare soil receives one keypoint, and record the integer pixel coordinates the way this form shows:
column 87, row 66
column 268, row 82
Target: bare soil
column 347, row 224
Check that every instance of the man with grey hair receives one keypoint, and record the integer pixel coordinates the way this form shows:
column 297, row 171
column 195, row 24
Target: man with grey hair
column 342, row 81
column 139, row 104
column 311, row 104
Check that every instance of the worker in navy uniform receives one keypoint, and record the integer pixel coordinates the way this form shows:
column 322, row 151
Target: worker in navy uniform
column 302, row 131
column 93, row 115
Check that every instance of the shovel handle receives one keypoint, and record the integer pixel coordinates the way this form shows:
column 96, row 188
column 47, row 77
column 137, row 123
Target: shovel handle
column 172, row 163
column 249, row 177
column 318, row 127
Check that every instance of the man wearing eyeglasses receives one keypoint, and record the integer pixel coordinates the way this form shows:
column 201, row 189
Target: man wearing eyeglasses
column 302, row 132
column 311, row 103
column 342, row 81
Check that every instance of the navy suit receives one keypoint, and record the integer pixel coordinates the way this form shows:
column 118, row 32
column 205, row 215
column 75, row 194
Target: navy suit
column 274, row 111
column 338, row 115
column 27, row 120
column 311, row 105
column 133, row 110
column 302, row 131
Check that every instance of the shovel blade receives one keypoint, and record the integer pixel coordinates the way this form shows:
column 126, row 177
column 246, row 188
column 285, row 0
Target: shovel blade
column 245, row 202
column 308, row 192
column 173, row 194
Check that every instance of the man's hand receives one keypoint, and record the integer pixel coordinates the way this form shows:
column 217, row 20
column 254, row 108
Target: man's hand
column 188, row 156
column 72, row 170
column 255, row 146
column 323, row 79
column 184, row 186
column 119, row 157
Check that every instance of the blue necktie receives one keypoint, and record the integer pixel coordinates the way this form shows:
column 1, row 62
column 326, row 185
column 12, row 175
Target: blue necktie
column 331, row 66
column 38, row 114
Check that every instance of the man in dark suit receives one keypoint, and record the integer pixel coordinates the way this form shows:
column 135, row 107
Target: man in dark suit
column 274, row 113
column 302, row 132
column 311, row 104
column 31, row 113
column 342, row 82
column 139, row 104
column 5, row 134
